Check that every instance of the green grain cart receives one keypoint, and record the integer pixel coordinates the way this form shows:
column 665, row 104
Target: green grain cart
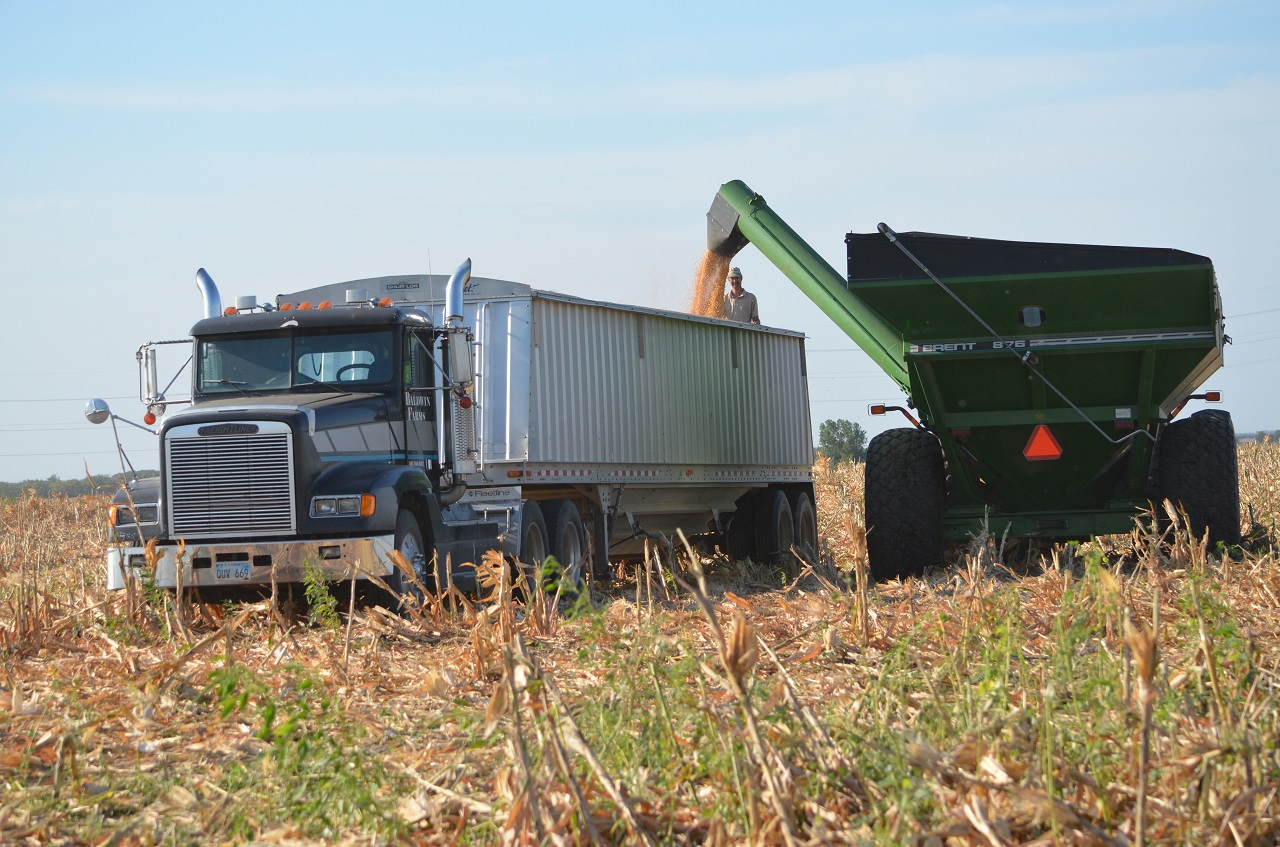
column 1043, row 381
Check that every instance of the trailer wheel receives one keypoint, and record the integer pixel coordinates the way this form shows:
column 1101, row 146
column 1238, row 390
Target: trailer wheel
column 775, row 527
column 740, row 534
column 1198, row 473
column 806, row 532
column 906, row 491
column 568, row 538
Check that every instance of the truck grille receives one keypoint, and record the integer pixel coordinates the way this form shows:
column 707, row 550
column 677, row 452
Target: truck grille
column 230, row 485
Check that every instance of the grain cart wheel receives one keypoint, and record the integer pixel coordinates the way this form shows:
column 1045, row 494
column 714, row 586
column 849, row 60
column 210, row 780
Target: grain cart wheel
column 775, row 527
column 1197, row 473
column 906, row 490
column 568, row 538
column 806, row 520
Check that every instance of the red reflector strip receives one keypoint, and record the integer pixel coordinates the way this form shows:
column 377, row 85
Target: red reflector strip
column 1042, row 446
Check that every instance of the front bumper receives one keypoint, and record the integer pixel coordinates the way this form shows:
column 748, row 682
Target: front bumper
column 227, row 565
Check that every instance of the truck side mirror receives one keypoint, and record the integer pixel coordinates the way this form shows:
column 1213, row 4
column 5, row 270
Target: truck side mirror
column 97, row 411
column 461, row 371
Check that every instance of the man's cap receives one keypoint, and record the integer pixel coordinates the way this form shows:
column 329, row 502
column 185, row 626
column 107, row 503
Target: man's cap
column 734, row 273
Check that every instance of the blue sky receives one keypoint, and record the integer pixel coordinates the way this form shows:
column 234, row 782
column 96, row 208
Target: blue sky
column 577, row 147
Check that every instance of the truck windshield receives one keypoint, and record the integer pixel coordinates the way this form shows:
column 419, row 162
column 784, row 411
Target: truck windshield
column 352, row 361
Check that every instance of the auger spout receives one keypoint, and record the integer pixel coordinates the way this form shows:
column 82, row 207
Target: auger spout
column 738, row 216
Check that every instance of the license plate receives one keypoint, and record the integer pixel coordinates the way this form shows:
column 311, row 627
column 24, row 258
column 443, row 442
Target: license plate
column 231, row 571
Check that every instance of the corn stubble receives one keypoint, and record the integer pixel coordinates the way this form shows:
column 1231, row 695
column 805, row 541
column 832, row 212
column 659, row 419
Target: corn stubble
column 1116, row 693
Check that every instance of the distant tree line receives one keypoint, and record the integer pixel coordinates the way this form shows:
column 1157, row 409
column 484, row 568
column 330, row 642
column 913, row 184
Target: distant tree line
column 842, row 441
column 1267, row 437
column 55, row 487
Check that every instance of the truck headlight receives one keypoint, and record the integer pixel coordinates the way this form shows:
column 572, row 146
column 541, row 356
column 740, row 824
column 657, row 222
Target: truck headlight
column 346, row 505
column 146, row 513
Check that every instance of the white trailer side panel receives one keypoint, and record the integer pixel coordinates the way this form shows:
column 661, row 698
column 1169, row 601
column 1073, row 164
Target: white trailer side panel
column 615, row 385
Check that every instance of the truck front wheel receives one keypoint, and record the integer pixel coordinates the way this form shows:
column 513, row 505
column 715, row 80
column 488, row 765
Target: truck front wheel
column 408, row 543
column 906, row 491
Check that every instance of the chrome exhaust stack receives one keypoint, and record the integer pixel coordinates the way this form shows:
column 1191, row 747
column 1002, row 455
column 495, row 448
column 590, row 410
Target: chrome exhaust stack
column 209, row 291
column 453, row 294
column 456, row 346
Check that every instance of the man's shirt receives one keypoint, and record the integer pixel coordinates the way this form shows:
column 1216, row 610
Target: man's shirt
column 742, row 308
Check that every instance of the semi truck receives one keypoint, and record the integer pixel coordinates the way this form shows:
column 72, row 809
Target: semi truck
column 443, row 417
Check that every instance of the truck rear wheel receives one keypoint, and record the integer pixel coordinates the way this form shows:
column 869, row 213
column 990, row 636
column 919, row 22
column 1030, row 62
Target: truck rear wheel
column 1198, row 473
column 906, row 490
column 806, row 531
column 775, row 527
column 534, row 548
column 568, row 537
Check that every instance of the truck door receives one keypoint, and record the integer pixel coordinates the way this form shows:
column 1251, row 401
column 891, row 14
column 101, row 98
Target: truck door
column 421, row 442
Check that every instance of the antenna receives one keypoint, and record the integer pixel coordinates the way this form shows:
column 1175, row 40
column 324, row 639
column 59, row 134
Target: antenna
column 431, row 278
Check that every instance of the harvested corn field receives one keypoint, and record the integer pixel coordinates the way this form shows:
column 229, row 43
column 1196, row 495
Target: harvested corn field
column 1121, row 692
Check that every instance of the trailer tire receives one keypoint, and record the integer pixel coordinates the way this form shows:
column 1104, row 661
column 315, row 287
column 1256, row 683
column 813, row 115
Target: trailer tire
column 775, row 527
column 906, row 491
column 740, row 534
column 1198, row 473
column 806, row 519
column 568, row 537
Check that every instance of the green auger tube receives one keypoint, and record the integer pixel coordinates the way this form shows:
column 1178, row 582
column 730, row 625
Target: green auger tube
column 739, row 216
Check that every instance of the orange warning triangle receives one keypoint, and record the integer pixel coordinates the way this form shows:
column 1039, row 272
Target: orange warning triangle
column 1042, row 445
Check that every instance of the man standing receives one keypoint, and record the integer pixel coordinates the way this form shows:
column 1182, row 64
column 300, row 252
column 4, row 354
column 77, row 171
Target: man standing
column 739, row 303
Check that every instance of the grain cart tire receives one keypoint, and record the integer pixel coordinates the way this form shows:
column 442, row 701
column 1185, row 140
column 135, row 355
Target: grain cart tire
column 906, row 490
column 568, row 538
column 775, row 527
column 806, row 520
column 1198, row 473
